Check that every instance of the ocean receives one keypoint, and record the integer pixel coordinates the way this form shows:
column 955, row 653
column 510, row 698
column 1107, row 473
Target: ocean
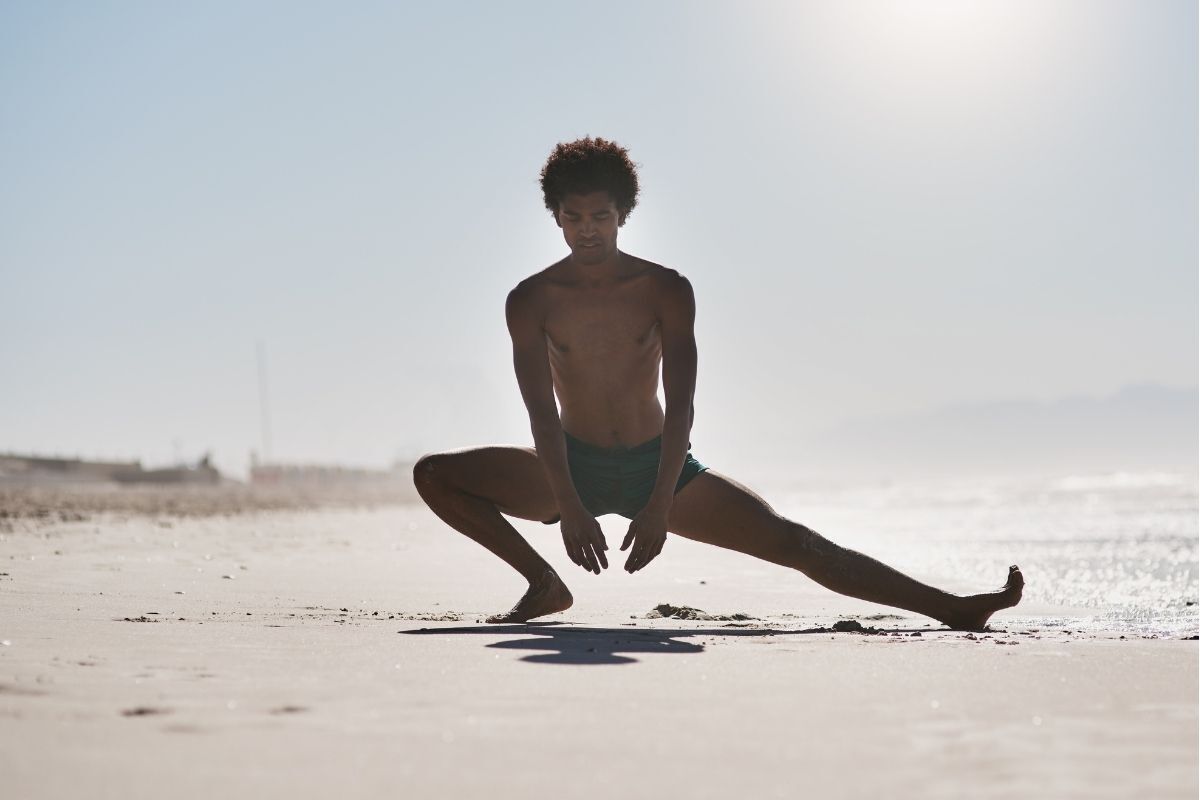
column 1110, row 552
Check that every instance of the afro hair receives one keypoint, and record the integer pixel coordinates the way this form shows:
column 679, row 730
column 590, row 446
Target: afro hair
column 590, row 165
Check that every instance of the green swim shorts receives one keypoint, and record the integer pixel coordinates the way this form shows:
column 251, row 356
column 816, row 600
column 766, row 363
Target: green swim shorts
column 619, row 480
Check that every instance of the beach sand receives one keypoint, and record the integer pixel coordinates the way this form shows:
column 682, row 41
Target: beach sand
column 301, row 649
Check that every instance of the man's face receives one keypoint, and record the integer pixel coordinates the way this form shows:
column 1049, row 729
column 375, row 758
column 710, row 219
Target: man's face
column 589, row 223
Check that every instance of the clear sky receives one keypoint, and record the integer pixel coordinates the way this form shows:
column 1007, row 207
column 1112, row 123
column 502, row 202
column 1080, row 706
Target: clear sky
column 883, row 207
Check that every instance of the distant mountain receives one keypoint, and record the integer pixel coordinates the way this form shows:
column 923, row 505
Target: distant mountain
column 1142, row 427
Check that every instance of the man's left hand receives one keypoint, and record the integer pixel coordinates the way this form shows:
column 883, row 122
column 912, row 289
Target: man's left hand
column 647, row 534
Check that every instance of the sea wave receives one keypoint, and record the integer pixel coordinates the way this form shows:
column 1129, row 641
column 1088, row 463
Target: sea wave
column 1123, row 480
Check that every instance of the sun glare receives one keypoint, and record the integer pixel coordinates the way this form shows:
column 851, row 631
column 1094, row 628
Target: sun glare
column 920, row 47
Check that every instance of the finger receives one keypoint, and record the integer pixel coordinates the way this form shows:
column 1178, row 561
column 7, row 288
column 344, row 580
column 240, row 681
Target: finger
column 646, row 555
column 571, row 549
column 590, row 559
column 628, row 540
column 635, row 556
column 600, row 548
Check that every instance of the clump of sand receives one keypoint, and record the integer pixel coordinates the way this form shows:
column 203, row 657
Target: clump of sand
column 668, row 611
column 845, row 626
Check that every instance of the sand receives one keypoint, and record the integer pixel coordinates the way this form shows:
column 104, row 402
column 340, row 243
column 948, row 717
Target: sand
column 314, row 650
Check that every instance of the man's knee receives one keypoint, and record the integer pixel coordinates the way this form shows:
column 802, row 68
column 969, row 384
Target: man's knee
column 803, row 545
column 429, row 471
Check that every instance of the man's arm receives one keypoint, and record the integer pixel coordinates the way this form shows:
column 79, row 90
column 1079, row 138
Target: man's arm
column 677, row 317
column 584, row 542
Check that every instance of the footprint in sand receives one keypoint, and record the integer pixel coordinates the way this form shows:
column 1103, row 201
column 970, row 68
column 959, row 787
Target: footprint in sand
column 288, row 710
column 144, row 711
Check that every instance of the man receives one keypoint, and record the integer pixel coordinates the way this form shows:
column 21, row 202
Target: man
column 593, row 329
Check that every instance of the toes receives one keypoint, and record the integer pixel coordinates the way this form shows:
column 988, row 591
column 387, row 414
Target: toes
column 1015, row 578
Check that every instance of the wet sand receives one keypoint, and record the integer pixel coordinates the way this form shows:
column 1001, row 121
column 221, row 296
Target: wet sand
column 335, row 649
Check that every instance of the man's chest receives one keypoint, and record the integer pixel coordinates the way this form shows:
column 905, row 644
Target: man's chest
column 601, row 328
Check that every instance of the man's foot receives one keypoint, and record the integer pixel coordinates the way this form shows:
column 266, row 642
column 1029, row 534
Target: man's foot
column 547, row 595
column 972, row 613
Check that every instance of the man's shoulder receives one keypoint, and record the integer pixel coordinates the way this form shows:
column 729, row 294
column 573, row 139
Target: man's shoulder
column 669, row 283
column 529, row 294
column 663, row 277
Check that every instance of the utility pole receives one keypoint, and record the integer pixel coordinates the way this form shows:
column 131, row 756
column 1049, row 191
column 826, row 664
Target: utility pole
column 264, row 408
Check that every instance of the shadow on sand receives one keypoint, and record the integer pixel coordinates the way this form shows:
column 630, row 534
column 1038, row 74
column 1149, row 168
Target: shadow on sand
column 559, row 643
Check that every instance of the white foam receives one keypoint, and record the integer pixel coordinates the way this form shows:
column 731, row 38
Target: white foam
column 1122, row 480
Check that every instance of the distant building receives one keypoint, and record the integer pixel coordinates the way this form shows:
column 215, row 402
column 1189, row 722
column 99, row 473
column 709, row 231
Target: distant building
column 322, row 475
column 34, row 470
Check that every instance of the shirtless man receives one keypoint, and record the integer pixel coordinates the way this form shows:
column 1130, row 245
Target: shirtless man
column 593, row 329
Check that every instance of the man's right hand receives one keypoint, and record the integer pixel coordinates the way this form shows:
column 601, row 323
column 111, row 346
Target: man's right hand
column 584, row 540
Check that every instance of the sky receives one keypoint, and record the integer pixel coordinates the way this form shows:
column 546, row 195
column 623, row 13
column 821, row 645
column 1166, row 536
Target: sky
column 883, row 207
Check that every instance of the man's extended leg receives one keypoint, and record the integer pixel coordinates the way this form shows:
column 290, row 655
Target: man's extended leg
column 716, row 510
column 471, row 489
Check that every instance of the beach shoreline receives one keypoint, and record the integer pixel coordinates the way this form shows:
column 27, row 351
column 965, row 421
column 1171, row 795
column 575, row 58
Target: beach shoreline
column 273, row 653
column 53, row 503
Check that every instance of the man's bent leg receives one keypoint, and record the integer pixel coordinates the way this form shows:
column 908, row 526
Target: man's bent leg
column 470, row 490
column 719, row 511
